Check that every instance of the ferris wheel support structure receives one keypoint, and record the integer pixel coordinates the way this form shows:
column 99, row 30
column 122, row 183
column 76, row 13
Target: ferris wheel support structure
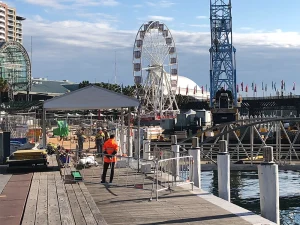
column 155, row 71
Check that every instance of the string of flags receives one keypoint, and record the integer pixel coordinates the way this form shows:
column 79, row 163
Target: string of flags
column 264, row 87
column 240, row 88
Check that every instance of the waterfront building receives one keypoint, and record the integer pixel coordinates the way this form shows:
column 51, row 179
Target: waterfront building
column 10, row 24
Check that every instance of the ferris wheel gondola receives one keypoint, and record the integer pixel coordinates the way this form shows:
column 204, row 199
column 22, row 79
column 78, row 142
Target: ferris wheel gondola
column 155, row 70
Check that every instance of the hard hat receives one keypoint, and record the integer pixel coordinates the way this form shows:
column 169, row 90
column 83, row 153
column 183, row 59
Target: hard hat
column 100, row 128
column 104, row 128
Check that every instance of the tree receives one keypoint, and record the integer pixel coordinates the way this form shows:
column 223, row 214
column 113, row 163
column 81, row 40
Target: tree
column 4, row 87
column 84, row 84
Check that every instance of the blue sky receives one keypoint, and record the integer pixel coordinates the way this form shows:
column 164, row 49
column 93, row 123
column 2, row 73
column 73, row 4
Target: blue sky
column 76, row 39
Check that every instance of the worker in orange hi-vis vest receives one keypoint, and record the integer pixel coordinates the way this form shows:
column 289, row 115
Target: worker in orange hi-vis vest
column 110, row 148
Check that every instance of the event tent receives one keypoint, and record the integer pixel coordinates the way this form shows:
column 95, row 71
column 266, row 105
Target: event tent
column 90, row 97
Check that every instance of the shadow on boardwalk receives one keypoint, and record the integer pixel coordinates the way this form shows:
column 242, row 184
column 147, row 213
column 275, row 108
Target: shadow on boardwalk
column 123, row 203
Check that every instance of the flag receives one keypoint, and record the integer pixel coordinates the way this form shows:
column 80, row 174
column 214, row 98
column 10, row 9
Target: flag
column 202, row 89
column 206, row 87
column 237, row 88
column 284, row 86
column 255, row 88
column 275, row 86
column 272, row 85
column 252, row 86
column 242, row 86
column 266, row 88
column 294, row 86
column 262, row 85
column 187, row 90
column 282, row 82
column 246, row 88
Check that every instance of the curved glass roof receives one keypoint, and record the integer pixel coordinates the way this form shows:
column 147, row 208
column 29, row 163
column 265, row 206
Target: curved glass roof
column 15, row 66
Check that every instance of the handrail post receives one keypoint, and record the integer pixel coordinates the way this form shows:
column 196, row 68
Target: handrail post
column 223, row 160
column 269, row 186
column 195, row 152
column 175, row 150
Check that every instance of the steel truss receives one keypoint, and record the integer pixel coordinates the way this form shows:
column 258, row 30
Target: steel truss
column 222, row 53
column 15, row 67
column 258, row 131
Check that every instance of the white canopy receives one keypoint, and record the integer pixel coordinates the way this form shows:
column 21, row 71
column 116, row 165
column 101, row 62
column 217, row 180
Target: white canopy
column 91, row 114
column 190, row 112
column 90, row 97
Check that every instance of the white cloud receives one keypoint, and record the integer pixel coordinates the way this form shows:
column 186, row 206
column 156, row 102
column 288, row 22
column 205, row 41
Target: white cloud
column 83, row 34
column 104, row 35
column 201, row 17
column 48, row 3
column 38, row 18
column 162, row 4
column 160, row 18
column 138, row 6
column 99, row 17
column 77, row 48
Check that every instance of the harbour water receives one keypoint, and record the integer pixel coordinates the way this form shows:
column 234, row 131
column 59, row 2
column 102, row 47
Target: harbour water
column 245, row 192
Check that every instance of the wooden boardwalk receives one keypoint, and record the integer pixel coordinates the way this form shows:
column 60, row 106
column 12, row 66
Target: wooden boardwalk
column 53, row 202
column 124, row 203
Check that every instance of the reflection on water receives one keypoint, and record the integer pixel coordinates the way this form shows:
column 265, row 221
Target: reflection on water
column 245, row 192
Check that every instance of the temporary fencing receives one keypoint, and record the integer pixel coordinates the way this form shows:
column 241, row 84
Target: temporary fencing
column 90, row 168
column 157, row 174
column 172, row 172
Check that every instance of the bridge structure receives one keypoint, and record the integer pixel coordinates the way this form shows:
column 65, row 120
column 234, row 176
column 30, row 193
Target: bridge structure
column 246, row 138
column 254, row 106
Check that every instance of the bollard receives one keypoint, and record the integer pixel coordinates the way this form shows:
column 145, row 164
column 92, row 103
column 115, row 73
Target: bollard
column 269, row 186
column 130, row 150
column 223, row 161
column 146, row 149
column 195, row 152
column 175, row 150
column 136, row 144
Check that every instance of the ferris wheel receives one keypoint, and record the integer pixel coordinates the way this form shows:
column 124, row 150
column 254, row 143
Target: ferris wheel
column 155, row 70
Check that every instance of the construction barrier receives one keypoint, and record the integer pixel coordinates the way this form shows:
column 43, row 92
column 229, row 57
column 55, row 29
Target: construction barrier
column 172, row 172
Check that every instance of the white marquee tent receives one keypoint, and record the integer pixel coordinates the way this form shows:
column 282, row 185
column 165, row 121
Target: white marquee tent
column 90, row 97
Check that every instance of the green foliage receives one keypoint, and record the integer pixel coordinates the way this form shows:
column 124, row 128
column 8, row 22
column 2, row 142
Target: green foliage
column 126, row 90
column 3, row 85
column 181, row 100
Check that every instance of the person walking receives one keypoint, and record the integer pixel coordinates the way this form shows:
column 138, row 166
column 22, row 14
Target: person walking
column 80, row 140
column 100, row 141
column 110, row 148
column 106, row 134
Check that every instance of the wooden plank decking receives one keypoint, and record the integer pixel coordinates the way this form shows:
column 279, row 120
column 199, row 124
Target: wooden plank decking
column 51, row 201
column 123, row 203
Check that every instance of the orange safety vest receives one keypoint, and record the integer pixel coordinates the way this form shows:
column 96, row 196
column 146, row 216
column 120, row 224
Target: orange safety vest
column 110, row 146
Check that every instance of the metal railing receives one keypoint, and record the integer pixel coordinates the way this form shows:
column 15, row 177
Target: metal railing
column 172, row 172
